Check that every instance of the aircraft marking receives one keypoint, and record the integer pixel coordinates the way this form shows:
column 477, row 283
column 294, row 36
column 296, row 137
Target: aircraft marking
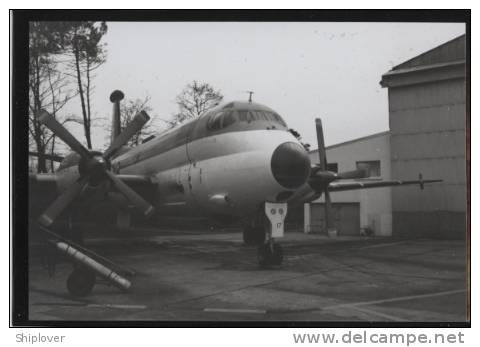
column 175, row 203
column 128, row 307
column 376, row 313
column 383, row 245
column 400, row 298
column 234, row 310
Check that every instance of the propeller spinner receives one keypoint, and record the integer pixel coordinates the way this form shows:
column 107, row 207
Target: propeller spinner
column 94, row 167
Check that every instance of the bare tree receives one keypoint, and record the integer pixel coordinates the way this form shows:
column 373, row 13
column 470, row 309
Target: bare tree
column 128, row 110
column 57, row 83
column 87, row 55
column 48, row 87
column 195, row 99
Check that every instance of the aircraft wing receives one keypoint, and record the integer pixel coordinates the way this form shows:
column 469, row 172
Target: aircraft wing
column 49, row 181
column 136, row 179
column 43, row 179
column 44, row 190
column 144, row 185
column 342, row 186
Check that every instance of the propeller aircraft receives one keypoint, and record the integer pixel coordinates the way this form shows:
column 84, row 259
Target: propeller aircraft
column 238, row 161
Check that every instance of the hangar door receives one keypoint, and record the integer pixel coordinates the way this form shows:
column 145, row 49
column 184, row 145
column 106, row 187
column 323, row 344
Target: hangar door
column 346, row 217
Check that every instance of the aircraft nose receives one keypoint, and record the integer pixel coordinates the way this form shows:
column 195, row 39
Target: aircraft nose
column 290, row 165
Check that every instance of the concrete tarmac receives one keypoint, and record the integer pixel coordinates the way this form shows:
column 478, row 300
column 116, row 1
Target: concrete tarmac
column 212, row 276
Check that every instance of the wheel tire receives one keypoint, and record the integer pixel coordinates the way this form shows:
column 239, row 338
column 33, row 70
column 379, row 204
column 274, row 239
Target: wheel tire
column 263, row 255
column 253, row 236
column 277, row 256
column 80, row 282
column 267, row 257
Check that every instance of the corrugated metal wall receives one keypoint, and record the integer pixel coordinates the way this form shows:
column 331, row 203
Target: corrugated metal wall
column 427, row 123
column 346, row 218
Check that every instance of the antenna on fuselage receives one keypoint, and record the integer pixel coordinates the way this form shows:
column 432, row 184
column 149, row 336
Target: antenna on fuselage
column 250, row 93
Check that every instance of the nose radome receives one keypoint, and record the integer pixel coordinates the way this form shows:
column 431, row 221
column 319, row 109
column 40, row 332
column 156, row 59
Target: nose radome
column 290, row 165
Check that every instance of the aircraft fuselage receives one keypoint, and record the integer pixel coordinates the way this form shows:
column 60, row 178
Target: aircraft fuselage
column 227, row 162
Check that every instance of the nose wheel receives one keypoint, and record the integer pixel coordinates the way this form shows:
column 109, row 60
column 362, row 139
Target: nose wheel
column 270, row 254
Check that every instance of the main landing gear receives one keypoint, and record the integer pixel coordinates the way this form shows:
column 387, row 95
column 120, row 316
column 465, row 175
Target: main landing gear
column 87, row 266
column 81, row 281
column 254, row 235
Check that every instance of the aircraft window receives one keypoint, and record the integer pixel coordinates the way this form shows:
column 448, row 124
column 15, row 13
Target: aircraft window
column 371, row 167
column 221, row 120
column 267, row 116
column 228, row 118
column 279, row 119
column 332, row 167
column 271, row 117
column 276, row 118
column 260, row 115
column 245, row 116
column 215, row 121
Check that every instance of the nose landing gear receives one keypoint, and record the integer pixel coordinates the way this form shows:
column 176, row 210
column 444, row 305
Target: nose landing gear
column 270, row 254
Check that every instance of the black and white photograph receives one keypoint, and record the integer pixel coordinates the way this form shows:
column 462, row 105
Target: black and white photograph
column 241, row 168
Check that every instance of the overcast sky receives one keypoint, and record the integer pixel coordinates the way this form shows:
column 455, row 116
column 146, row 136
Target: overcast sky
column 301, row 70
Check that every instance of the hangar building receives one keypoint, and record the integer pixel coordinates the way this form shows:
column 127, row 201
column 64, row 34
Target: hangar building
column 427, row 118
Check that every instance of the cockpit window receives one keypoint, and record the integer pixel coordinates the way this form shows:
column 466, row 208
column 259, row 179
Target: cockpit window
column 228, row 118
column 215, row 121
column 265, row 116
column 225, row 118
column 279, row 119
column 260, row 115
column 244, row 116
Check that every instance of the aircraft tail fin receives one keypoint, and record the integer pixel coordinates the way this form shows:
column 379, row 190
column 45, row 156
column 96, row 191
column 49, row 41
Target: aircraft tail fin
column 115, row 98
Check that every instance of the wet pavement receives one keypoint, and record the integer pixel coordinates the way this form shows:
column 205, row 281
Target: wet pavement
column 212, row 276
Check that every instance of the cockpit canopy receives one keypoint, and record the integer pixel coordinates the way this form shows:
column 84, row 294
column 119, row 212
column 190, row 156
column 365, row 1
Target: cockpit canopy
column 245, row 114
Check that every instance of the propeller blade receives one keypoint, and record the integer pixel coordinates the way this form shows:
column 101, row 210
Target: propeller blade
column 62, row 202
column 143, row 206
column 322, row 155
column 329, row 223
column 132, row 128
column 352, row 174
column 58, row 129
